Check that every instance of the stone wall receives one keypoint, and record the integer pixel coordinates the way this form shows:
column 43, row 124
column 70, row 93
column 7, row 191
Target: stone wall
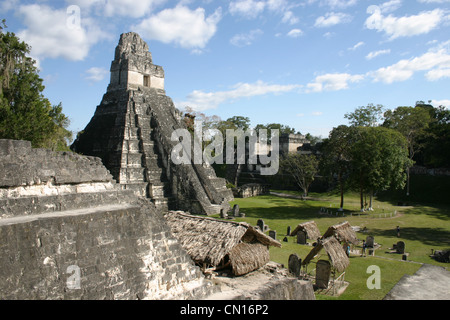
column 251, row 190
column 23, row 166
column 68, row 232
column 119, row 252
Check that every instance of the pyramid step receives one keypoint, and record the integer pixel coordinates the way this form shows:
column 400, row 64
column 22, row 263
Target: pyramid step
column 66, row 213
column 139, row 188
column 148, row 145
column 150, row 151
column 157, row 190
column 79, row 197
column 145, row 133
column 161, row 204
column 131, row 160
column 131, row 146
column 153, row 163
column 142, row 120
column 131, row 133
column 131, row 174
column 157, row 174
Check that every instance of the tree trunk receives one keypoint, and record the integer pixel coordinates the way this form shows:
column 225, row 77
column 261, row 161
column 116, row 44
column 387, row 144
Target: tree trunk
column 407, row 181
column 361, row 185
column 370, row 201
column 341, row 184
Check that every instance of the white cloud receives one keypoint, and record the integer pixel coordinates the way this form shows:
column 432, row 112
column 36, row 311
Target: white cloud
column 437, row 63
column 96, row 74
column 437, row 103
column 332, row 19
column 190, row 29
column 340, row 4
column 375, row 54
column 333, row 82
column 51, row 35
column 7, row 5
column 407, row 26
column 245, row 39
column 317, row 113
column 199, row 100
column 290, row 18
column 247, row 8
column 434, row 1
column 130, row 8
column 277, row 5
column 251, row 9
column 356, row 46
column 390, row 6
column 295, row 33
column 437, row 74
column 112, row 8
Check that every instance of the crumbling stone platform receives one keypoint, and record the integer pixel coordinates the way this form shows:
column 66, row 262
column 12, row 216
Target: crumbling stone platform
column 67, row 231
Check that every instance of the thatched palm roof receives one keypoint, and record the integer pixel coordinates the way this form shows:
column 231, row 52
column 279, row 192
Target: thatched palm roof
column 342, row 232
column 333, row 248
column 209, row 240
column 310, row 228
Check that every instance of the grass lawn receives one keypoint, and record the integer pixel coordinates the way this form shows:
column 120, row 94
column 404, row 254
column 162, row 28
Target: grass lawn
column 423, row 227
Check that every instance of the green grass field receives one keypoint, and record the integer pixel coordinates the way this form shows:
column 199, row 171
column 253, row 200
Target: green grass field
column 423, row 227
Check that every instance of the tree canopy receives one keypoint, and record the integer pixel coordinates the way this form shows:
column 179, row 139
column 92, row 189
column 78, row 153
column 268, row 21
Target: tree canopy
column 25, row 114
column 368, row 116
column 302, row 167
column 379, row 161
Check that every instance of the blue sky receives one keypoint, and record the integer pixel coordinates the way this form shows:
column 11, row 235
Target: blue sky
column 300, row 63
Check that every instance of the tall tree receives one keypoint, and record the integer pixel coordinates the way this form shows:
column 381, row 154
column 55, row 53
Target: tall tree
column 380, row 160
column 337, row 159
column 368, row 116
column 412, row 123
column 25, row 114
column 302, row 167
column 435, row 143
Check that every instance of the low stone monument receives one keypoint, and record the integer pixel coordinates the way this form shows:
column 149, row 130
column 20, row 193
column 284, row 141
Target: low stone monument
column 400, row 247
column 301, row 237
column 260, row 224
column 236, row 210
column 273, row 234
column 370, row 242
column 294, row 265
column 288, row 232
column 223, row 214
column 323, row 273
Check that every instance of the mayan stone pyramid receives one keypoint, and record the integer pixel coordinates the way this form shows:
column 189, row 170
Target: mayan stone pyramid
column 131, row 132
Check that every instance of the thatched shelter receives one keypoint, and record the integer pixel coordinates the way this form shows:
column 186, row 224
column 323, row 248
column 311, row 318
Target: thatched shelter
column 333, row 248
column 216, row 243
column 311, row 229
column 343, row 233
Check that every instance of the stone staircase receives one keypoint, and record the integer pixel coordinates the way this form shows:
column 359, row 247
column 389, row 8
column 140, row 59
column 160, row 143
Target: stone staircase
column 141, row 168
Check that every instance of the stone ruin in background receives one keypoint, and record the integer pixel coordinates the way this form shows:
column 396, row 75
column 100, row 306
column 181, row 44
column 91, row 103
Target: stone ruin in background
column 131, row 132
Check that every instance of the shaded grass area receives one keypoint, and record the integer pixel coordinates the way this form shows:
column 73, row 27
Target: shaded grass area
column 424, row 189
column 423, row 227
